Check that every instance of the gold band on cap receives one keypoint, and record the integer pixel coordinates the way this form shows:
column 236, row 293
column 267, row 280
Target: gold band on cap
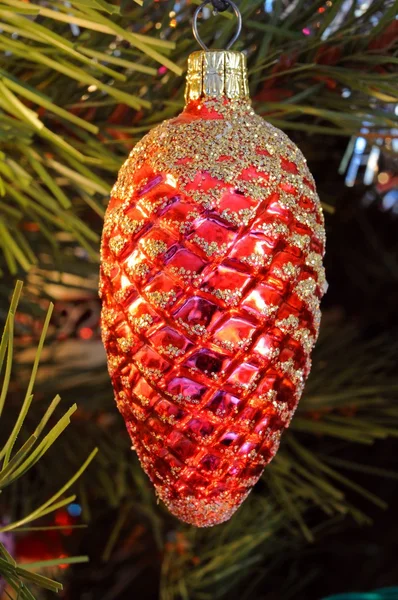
column 216, row 74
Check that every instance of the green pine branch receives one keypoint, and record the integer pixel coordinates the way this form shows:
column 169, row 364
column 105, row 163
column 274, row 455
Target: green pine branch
column 18, row 457
column 64, row 70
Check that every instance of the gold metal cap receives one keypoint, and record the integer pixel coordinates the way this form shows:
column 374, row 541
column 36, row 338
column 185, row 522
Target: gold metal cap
column 216, row 74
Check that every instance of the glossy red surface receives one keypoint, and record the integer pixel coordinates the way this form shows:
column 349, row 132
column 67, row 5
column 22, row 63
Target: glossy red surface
column 208, row 321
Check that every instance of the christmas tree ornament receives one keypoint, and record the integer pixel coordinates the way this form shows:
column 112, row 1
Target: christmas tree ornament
column 211, row 279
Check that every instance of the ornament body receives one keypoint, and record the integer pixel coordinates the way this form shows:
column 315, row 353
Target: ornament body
column 211, row 280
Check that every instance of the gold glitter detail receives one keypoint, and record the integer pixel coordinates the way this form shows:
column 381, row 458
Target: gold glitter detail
column 287, row 272
column 125, row 344
column 180, row 398
column 105, row 335
column 242, row 217
column 154, row 247
column 234, row 346
column 143, row 399
column 314, row 260
column 228, row 345
column 113, row 364
column 305, row 338
column 130, row 226
column 275, row 229
column 283, row 410
column 101, row 289
column 185, row 225
column 301, row 241
column 210, row 249
column 289, row 324
column 317, row 320
column 142, row 322
column 107, row 268
column 122, row 294
column 319, row 232
column 112, row 220
column 162, row 299
column 230, row 297
column 257, row 260
column 323, row 284
column 272, row 353
column 269, row 310
column 296, row 375
column 140, row 269
column 116, row 244
column 125, row 381
column 305, row 288
column 186, row 275
column 109, row 316
column 224, row 138
column 194, row 329
column 289, row 201
column 153, row 206
column 171, row 351
column 149, row 373
column 268, row 397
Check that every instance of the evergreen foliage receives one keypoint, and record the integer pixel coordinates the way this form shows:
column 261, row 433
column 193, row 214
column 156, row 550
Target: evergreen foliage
column 80, row 82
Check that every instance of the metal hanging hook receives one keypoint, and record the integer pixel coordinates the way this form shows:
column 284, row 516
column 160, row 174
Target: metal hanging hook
column 215, row 3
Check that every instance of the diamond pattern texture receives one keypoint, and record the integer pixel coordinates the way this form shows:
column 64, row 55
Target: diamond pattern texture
column 211, row 279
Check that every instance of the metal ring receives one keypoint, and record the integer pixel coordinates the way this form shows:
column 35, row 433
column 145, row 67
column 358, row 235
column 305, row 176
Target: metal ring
column 195, row 24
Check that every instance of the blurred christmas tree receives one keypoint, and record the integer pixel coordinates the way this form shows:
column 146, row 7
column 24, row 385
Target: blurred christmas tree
column 80, row 83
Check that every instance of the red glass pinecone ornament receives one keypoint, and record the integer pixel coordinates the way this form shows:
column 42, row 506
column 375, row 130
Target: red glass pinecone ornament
column 211, row 279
